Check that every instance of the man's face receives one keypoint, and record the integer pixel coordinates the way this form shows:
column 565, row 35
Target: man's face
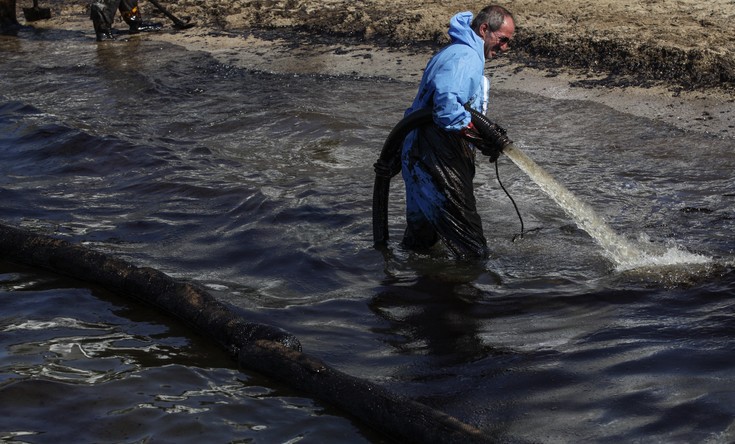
column 497, row 41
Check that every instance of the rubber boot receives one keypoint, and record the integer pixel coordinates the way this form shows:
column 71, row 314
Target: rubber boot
column 143, row 26
column 130, row 13
column 103, row 34
column 102, row 21
column 8, row 22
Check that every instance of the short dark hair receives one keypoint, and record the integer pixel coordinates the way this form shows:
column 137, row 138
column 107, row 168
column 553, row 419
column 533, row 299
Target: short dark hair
column 493, row 15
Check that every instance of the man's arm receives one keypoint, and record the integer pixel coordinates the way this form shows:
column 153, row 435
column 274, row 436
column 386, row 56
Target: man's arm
column 455, row 82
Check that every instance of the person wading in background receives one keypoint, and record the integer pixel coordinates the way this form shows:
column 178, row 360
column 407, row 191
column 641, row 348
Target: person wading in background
column 438, row 161
column 102, row 13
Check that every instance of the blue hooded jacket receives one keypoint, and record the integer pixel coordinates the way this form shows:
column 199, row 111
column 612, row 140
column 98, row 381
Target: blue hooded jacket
column 454, row 76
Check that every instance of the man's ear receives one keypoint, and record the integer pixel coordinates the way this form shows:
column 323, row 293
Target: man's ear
column 483, row 29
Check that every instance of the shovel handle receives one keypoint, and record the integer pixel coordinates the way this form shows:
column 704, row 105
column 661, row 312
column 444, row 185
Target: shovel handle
column 177, row 22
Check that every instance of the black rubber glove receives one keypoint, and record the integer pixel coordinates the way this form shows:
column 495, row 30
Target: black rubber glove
column 490, row 147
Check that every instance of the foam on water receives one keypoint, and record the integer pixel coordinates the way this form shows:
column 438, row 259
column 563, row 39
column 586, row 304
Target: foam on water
column 665, row 256
column 625, row 254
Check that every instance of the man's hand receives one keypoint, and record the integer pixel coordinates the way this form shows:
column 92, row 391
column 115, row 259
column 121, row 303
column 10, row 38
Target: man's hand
column 491, row 147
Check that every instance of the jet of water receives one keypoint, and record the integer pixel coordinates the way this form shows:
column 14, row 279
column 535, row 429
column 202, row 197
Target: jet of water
column 625, row 254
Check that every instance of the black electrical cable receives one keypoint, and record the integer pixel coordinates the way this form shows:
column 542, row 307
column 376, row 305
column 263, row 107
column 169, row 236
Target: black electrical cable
column 497, row 175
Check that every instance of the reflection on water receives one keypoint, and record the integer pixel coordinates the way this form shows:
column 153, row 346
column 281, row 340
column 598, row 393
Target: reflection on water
column 79, row 366
column 258, row 186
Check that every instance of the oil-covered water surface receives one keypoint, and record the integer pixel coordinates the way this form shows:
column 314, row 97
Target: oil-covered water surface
column 259, row 186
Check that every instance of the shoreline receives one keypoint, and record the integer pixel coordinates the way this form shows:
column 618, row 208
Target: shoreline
column 711, row 112
column 683, row 43
column 281, row 48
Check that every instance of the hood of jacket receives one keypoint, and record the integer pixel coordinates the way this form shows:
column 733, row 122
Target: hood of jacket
column 460, row 31
column 454, row 77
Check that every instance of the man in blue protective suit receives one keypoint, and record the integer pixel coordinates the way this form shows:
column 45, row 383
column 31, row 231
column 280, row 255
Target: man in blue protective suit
column 438, row 161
